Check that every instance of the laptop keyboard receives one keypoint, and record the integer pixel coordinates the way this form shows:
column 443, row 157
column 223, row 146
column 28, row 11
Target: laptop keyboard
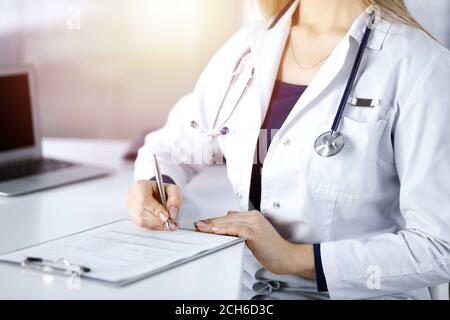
column 24, row 168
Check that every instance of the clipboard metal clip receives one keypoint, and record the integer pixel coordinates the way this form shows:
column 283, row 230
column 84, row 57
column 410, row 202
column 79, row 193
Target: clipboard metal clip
column 60, row 266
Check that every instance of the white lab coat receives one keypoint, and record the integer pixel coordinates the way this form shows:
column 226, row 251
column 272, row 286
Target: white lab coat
column 380, row 208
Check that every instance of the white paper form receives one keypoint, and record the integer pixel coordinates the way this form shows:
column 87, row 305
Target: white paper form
column 121, row 253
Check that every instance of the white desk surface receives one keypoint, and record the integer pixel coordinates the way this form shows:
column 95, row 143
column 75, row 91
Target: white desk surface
column 47, row 215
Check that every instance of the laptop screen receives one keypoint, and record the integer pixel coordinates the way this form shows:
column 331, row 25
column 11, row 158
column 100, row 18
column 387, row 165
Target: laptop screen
column 16, row 116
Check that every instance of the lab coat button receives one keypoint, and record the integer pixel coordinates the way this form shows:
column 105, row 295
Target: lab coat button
column 194, row 124
column 277, row 205
column 239, row 195
column 287, row 142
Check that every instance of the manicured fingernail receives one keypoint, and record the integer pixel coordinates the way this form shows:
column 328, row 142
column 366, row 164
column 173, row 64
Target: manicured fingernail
column 163, row 217
column 172, row 226
column 173, row 212
column 201, row 224
column 216, row 229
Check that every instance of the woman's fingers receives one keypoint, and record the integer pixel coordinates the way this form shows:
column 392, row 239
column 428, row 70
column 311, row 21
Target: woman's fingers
column 235, row 229
column 239, row 224
column 147, row 220
column 146, row 197
column 145, row 210
column 231, row 216
column 143, row 217
column 174, row 198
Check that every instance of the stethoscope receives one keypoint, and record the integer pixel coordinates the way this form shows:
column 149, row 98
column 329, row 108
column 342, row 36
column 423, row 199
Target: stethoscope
column 222, row 129
column 332, row 142
column 327, row 144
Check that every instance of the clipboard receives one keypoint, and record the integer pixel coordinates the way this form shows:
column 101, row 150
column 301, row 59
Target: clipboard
column 118, row 253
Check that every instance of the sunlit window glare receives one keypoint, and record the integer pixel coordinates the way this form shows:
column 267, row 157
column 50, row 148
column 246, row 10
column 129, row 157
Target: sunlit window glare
column 110, row 68
column 167, row 21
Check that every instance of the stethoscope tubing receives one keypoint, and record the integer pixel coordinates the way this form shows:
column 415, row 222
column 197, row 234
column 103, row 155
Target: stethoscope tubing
column 329, row 143
column 351, row 80
column 234, row 78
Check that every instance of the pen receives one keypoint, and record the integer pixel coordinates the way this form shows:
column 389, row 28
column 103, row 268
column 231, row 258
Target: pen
column 160, row 183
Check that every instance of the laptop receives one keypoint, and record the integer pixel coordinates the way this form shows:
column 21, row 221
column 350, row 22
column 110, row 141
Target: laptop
column 23, row 169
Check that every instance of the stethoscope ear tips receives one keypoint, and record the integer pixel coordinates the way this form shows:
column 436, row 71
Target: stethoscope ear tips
column 224, row 131
column 329, row 144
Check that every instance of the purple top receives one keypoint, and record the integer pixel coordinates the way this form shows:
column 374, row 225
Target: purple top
column 284, row 98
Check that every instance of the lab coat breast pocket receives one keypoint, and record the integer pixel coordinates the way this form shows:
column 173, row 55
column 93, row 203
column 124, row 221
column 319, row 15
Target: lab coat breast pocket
column 349, row 174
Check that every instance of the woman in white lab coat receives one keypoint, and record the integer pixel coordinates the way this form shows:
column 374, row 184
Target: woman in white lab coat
column 370, row 222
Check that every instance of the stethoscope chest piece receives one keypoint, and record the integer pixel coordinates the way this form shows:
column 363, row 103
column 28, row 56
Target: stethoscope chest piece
column 212, row 134
column 329, row 144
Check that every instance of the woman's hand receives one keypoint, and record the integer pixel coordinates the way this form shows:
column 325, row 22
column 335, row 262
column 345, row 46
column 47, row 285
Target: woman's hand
column 275, row 253
column 145, row 209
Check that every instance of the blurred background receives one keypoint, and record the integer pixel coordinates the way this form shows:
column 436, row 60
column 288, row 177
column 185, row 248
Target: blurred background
column 113, row 68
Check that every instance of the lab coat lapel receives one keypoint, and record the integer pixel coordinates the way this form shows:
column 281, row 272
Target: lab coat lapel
column 267, row 51
column 324, row 77
column 335, row 63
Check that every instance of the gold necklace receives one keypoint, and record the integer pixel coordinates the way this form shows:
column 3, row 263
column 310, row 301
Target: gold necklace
column 302, row 66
